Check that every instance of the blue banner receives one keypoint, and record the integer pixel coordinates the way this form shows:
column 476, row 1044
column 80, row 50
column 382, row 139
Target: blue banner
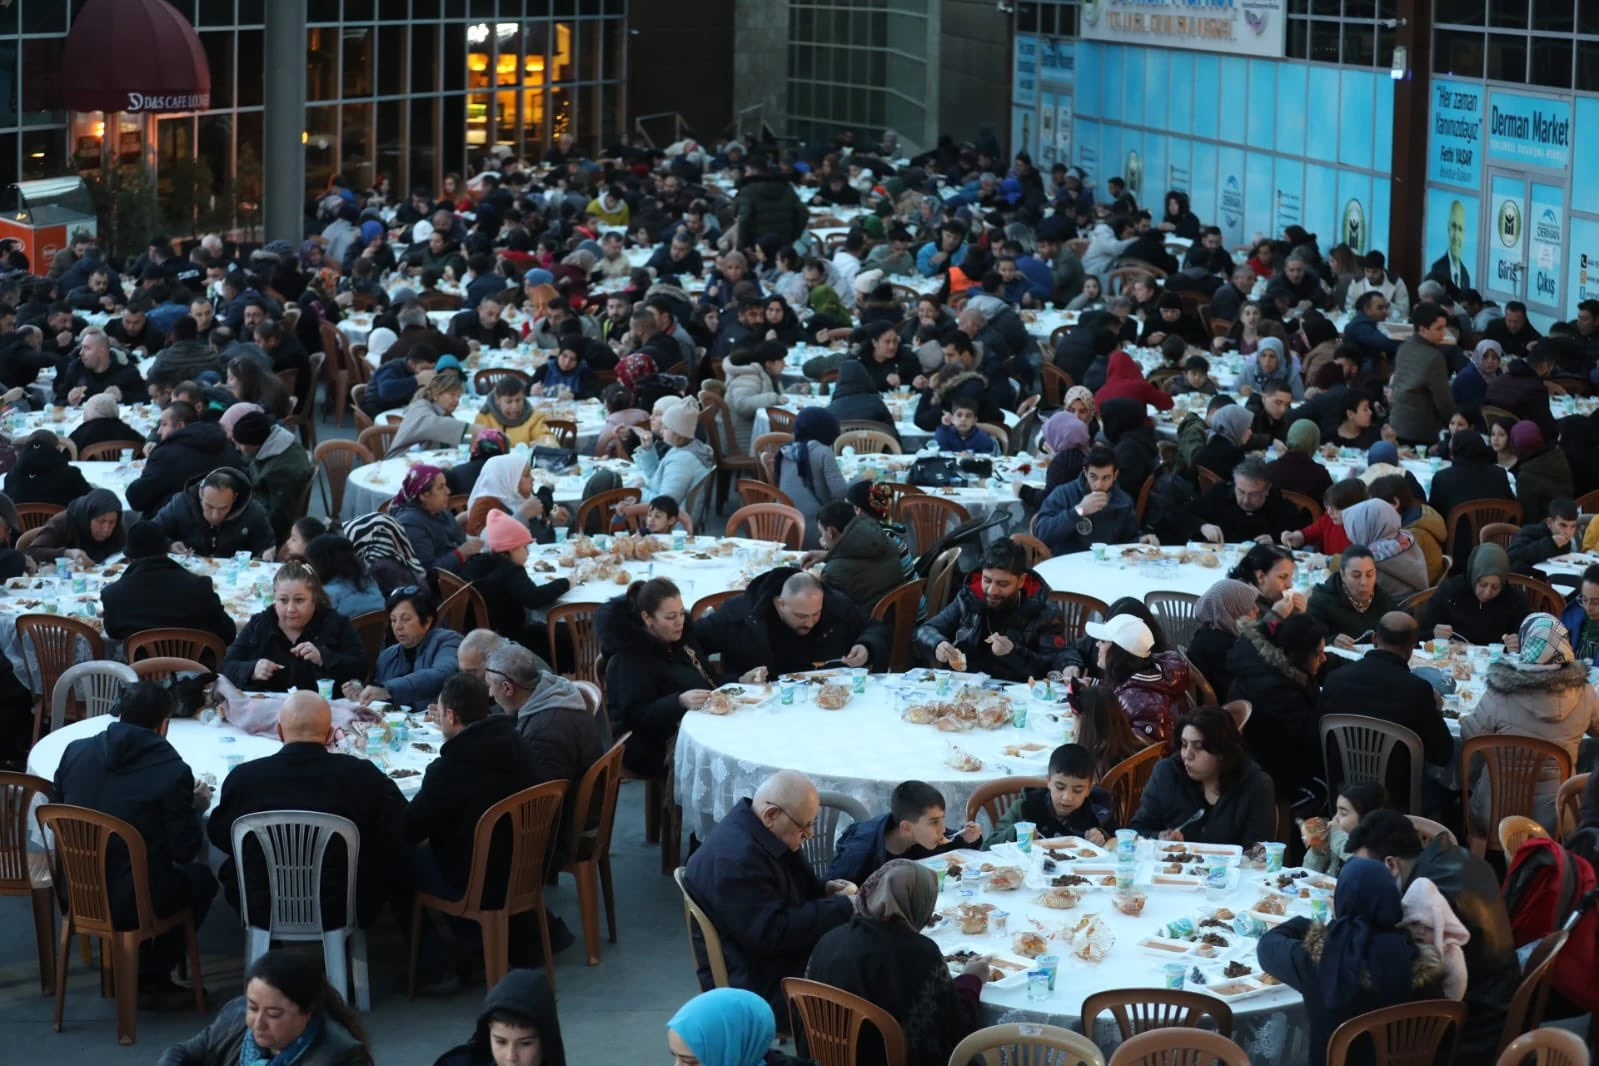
column 1507, row 237
column 1205, row 194
column 1546, row 233
column 1454, row 146
column 1259, row 206
column 1584, row 269
column 1529, row 130
column 1024, row 85
column 1288, row 195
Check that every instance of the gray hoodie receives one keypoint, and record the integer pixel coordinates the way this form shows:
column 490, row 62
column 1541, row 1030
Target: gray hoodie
column 563, row 736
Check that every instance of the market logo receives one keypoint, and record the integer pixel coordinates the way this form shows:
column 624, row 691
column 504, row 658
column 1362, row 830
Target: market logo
column 1509, row 223
column 1232, row 202
column 1354, row 228
column 1256, row 22
column 1548, row 228
column 1089, row 9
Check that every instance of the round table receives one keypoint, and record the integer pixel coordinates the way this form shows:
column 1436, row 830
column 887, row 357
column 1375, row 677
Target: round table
column 1567, row 567
column 901, row 406
column 373, row 483
column 112, row 474
column 63, row 420
column 1128, row 571
column 357, row 327
column 985, row 496
column 735, row 562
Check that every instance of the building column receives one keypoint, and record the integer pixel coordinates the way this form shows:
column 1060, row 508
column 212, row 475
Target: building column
column 1412, row 107
column 283, row 154
column 760, row 65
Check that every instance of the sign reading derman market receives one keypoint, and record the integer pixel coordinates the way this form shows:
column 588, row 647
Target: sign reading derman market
column 1237, row 27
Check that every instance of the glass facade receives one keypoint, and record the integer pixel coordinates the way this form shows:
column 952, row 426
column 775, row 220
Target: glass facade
column 408, row 90
column 857, row 64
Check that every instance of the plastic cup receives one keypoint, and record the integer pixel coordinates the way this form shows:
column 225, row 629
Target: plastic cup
column 232, row 762
column 63, row 567
column 1274, row 856
column 1037, row 984
column 1126, row 874
column 1025, row 831
column 1127, row 844
column 858, row 678
column 1175, row 973
column 1050, row 964
column 998, row 921
column 1216, row 881
column 785, row 693
column 1320, row 906
column 127, row 455
column 1101, row 552
column 324, row 687
column 560, row 534
column 941, row 681
column 679, row 540
column 1178, row 928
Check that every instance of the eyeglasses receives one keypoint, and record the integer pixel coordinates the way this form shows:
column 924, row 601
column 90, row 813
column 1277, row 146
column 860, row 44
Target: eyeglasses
column 805, row 828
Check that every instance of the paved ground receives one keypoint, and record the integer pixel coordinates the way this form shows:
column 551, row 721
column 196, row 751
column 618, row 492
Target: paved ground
column 623, row 1003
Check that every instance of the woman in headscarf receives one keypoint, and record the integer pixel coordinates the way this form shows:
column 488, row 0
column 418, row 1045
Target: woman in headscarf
column 807, row 470
column 1296, row 470
column 1271, row 363
column 882, row 955
column 383, row 546
column 102, row 422
column 422, row 509
column 874, row 500
column 1361, row 962
column 372, row 244
column 509, row 410
column 90, row 530
column 1079, row 400
column 519, row 1017
column 44, row 474
column 1470, row 386
column 506, row 484
column 313, row 257
column 1542, row 473
column 1473, row 474
column 1218, row 612
column 1479, row 604
column 726, row 1027
column 856, row 398
column 1230, row 430
column 1066, row 440
column 1537, row 690
column 780, row 322
column 486, row 444
column 1401, row 564
column 1125, row 427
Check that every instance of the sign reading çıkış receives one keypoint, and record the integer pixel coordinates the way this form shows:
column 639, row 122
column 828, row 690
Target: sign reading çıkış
column 1237, row 27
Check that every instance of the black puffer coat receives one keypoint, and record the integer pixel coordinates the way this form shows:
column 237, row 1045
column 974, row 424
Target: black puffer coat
column 644, row 676
column 748, row 633
column 1283, row 731
column 1033, row 625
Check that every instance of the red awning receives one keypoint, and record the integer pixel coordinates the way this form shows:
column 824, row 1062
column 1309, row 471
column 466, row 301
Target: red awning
column 134, row 55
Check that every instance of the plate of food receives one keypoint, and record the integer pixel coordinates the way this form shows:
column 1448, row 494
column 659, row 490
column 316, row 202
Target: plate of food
column 1297, row 881
column 1077, row 847
column 1233, row 981
column 1166, row 947
column 1030, row 749
column 1004, row 971
column 1234, row 853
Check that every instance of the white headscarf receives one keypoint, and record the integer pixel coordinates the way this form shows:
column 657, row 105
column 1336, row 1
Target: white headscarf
column 380, row 341
column 499, row 479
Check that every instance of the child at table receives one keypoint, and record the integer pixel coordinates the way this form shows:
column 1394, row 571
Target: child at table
column 1326, row 839
column 662, row 515
column 1326, row 534
column 960, row 433
column 1071, row 806
column 913, row 828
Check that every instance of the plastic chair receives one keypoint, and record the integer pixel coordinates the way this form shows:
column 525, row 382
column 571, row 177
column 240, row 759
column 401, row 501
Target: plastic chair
column 588, row 851
column 1552, row 1047
column 1568, row 804
column 24, row 872
column 1426, row 829
column 110, row 450
column 338, row 458
column 765, row 445
column 1365, row 747
column 1026, row 1044
column 1305, row 503
column 533, row 814
column 576, row 620
column 941, row 578
column 483, row 381
column 1139, row 1010
column 1409, row 1034
column 82, row 840
column 716, row 418
column 564, row 431
column 828, row 1024
column 598, row 506
column 1532, row 994
column 1175, row 613
column 1541, row 596
column 751, row 491
column 373, row 628
column 782, row 420
column 1500, row 533
column 710, row 602
column 867, row 442
column 1515, row 830
column 1126, row 780
column 695, row 918
column 898, row 608
column 94, row 687
column 176, row 642
column 819, row 848
column 1000, row 434
column 455, row 610
column 898, row 489
column 1055, row 382
column 55, row 650
column 768, row 521
column 994, row 798
column 1037, row 550
column 1514, row 766
column 31, row 516
column 294, row 846
column 1178, row 1047
column 1077, row 610
column 379, row 438
column 1206, row 477
column 1473, row 515
column 165, row 668
column 928, row 518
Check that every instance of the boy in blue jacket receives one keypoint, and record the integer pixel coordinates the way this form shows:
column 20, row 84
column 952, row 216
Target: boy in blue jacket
column 395, row 382
column 960, row 433
column 1072, row 805
column 913, row 828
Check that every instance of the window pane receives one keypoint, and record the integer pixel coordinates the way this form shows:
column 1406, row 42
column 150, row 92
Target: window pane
column 42, row 16
column 247, row 178
column 1360, row 43
column 1553, row 16
column 215, row 158
column 1298, row 39
column 215, row 13
column 1360, row 9
column 560, row 113
column 1507, row 58
column 424, row 59
column 1324, row 42
column 1508, row 14
column 355, row 146
column 423, row 154
column 455, row 49
column 588, row 119
column 322, row 10
column 392, row 60
column 1551, row 62
column 321, row 146
column 176, row 175
column 1462, row 12
column 1458, row 52
column 1587, row 19
column 389, row 160
column 321, row 64
column 252, row 75
column 1325, row 7
column 1587, row 66
column 390, row 10
column 41, row 88
column 561, row 53
column 612, row 63
column 452, row 136
column 357, row 61
column 358, row 11
column 44, row 153
column 8, row 99
column 219, row 56
column 252, row 12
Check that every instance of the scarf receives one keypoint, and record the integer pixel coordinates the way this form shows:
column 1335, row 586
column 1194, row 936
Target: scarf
column 813, row 424
column 1365, row 938
column 1545, row 644
column 634, row 368
column 492, row 409
column 499, row 480
column 1260, row 378
column 377, row 536
column 489, row 443
column 1066, row 432
column 1488, row 560
column 1232, row 423
column 1375, row 524
column 1224, row 603
column 1482, row 349
column 85, row 509
column 250, row 1054
column 1080, row 392
column 726, row 1027
column 899, row 891
column 1304, row 436
column 416, row 482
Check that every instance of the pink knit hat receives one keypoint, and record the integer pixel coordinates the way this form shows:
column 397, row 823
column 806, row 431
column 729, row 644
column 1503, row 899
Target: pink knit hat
column 504, row 533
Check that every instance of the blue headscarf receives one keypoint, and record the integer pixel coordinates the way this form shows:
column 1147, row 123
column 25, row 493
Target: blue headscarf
column 813, row 424
column 1365, row 937
column 370, row 229
column 726, row 1027
column 1384, row 451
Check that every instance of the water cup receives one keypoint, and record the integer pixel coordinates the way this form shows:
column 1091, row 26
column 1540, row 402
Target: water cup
column 857, row 676
column 1179, row 928
column 679, row 540
column 1216, row 880
column 1037, row 984
column 80, row 583
column 232, row 762
column 127, row 455
column 1496, row 652
column 1247, row 924
column 1126, row 874
column 998, row 921
column 1274, row 856
column 1025, row 831
column 1018, row 715
column 1175, row 972
column 1320, row 906
column 785, row 693
column 1050, row 964
column 941, row 681
column 324, row 687
column 1126, row 844
column 1421, row 451
column 1101, row 552
column 63, row 567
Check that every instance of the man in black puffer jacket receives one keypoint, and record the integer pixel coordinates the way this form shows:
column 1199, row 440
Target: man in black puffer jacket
column 788, row 621
column 767, row 206
column 188, row 448
column 1002, row 623
column 215, row 516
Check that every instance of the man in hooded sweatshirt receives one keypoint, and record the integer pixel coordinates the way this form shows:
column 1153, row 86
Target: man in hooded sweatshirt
column 279, row 468
column 188, row 447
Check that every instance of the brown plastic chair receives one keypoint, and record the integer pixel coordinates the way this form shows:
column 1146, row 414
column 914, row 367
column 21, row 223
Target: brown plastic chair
column 1206, row 477
column 449, row 584
column 1426, row 829
column 1026, row 1044
column 483, row 381
column 1141, row 508
column 1515, row 830
column 1365, row 748
column 598, row 507
column 716, row 418
column 378, row 439
column 458, row 502
column 829, row 1023
column 175, row 642
column 164, row 668
column 1138, row 1010
column 1541, row 596
column 1175, row 613
column 588, row 851
column 82, row 839
column 928, row 518
column 1474, row 515
column 1077, row 610
column 1416, row 602
column 867, row 442
column 1514, row 766
column 1305, row 503
column 55, row 648
column 338, row 458
column 1500, row 533
column 782, row 420
column 1055, row 384
column 533, row 813
column 576, row 622
column 1409, row 1034
column 941, row 577
column 565, row 431
column 24, row 872
column 695, row 917
column 1552, row 1047
column 710, row 602
column 765, row 446
column 1568, row 804
column 1000, row 434
column 109, row 450
column 768, row 521
column 751, row 491
column 1037, row 550
column 994, row 798
column 373, row 629
column 1126, row 780
column 1532, row 994
column 1588, row 502
column 464, row 610
column 898, row 607
column 1184, row 1046
column 31, row 516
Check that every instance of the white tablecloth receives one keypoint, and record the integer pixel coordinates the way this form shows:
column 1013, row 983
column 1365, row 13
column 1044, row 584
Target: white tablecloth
column 1568, row 567
column 358, row 327
column 373, row 483
column 901, row 405
column 113, row 475
column 730, row 568
column 1131, row 575
column 140, row 416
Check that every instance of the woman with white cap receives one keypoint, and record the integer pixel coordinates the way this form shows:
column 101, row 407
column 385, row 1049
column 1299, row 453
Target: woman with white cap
column 687, row 461
column 1152, row 686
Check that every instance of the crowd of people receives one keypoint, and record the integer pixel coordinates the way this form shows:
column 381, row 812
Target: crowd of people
column 219, row 340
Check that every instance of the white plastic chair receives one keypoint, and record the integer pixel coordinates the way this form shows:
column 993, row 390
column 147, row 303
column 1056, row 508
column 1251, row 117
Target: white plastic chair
column 293, row 846
column 819, row 849
column 99, row 684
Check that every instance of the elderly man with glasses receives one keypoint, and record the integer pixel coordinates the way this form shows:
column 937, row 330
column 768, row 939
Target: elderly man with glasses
column 767, row 904
column 1250, row 508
